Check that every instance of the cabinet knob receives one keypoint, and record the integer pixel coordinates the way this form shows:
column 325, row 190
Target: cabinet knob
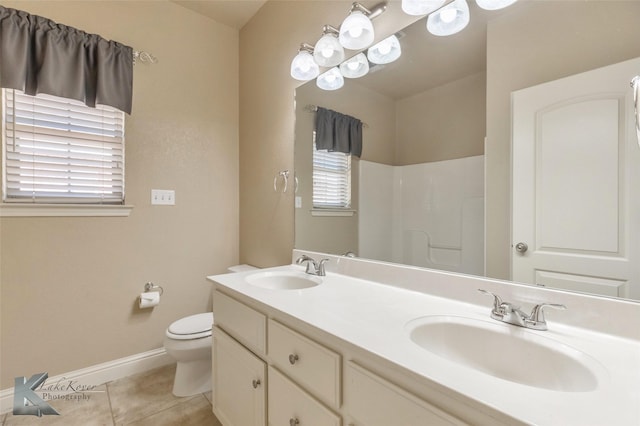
column 294, row 422
column 293, row 358
column 256, row 383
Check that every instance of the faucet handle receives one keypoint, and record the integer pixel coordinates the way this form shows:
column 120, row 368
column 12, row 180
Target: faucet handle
column 497, row 301
column 537, row 313
column 320, row 270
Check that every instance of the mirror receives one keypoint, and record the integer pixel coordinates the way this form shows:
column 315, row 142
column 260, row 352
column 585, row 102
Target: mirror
column 418, row 190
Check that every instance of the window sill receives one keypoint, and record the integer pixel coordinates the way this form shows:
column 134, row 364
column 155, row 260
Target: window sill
column 328, row 212
column 63, row 210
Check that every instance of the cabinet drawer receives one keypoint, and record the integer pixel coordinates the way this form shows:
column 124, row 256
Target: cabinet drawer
column 290, row 405
column 239, row 386
column 373, row 401
column 312, row 366
column 243, row 323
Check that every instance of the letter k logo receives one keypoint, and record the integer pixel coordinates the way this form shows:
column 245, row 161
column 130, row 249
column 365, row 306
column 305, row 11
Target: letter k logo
column 23, row 393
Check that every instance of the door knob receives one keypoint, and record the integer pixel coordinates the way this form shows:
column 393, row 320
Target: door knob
column 522, row 247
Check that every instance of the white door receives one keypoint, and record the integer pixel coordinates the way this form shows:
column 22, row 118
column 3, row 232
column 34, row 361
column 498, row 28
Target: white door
column 576, row 183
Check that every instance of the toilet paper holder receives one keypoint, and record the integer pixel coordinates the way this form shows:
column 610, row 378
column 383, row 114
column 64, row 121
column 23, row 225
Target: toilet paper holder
column 152, row 287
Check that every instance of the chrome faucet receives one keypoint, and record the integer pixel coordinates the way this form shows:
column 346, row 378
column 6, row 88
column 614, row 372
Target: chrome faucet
column 313, row 267
column 511, row 314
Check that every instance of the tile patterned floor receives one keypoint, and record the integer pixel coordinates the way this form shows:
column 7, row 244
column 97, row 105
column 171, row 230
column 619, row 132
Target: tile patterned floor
column 141, row 400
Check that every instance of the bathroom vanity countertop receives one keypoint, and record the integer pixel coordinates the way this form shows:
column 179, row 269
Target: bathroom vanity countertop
column 373, row 316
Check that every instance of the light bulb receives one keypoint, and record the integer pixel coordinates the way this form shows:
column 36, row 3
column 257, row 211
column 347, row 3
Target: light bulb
column 386, row 51
column 303, row 67
column 356, row 32
column 328, row 51
column 330, row 80
column 448, row 15
column 451, row 19
column 420, row 7
column 384, row 47
column 355, row 67
column 494, row 4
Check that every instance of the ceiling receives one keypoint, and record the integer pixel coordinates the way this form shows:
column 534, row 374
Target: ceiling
column 234, row 13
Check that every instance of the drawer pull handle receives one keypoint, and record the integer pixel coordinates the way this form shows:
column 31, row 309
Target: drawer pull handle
column 293, row 358
column 294, row 422
column 256, row 383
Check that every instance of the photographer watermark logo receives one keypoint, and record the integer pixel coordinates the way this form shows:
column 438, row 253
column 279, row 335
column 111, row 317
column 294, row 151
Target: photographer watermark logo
column 30, row 396
column 26, row 401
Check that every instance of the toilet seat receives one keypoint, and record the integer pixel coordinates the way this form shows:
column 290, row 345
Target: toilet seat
column 191, row 327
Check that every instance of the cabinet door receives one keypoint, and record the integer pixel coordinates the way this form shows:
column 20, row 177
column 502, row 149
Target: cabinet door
column 289, row 405
column 239, row 383
column 373, row 401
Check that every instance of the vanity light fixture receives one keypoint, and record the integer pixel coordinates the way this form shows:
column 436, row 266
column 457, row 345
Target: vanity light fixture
column 451, row 19
column 421, row 7
column 330, row 80
column 494, row 4
column 355, row 67
column 386, row 51
column 303, row 66
column 328, row 51
column 356, row 31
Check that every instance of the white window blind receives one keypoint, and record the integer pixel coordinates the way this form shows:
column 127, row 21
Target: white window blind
column 58, row 150
column 331, row 179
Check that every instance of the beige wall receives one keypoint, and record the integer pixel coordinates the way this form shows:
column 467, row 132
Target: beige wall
column 68, row 285
column 541, row 42
column 443, row 123
column 268, row 43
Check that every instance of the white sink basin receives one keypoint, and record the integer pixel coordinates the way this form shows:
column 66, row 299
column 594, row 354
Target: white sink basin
column 507, row 352
column 283, row 280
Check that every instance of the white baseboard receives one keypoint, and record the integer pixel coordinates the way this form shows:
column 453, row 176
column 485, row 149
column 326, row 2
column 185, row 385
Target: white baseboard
column 100, row 373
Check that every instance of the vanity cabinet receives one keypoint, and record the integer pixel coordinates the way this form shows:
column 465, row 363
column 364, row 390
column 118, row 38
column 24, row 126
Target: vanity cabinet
column 257, row 359
column 239, row 383
column 303, row 376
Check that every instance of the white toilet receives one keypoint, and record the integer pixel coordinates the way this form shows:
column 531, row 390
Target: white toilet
column 188, row 341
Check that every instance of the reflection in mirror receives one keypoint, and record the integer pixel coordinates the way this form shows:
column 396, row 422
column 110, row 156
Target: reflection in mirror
column 418, row 190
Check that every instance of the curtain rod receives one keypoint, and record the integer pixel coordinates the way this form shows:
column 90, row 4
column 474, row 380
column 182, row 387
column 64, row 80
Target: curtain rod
column 314, row 108
column 144, row 57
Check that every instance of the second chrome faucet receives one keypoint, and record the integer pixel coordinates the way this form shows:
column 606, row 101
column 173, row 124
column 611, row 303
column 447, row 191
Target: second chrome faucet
column 313, row 267
column 511, row 314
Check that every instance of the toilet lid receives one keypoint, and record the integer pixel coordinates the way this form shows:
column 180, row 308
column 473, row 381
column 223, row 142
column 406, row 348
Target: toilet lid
column 193, row 324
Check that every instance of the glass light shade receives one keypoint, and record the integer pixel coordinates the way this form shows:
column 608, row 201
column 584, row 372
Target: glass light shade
column 355, row 67
column 330, row 80
column 494, row 4
column 328, row 51
column 421, row 7
column 387, row 51
column 303, row 67
column 451, row 19
column 356, row 32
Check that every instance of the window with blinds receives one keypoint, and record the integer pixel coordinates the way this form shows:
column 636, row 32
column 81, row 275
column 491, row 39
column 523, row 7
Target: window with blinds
column 57, row 150
column 331, row 179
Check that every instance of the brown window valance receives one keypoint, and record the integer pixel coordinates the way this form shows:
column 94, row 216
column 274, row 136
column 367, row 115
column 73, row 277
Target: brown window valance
column 38, row 55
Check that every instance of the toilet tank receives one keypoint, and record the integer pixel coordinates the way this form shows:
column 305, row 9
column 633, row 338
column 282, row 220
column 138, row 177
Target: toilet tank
column 241, row 268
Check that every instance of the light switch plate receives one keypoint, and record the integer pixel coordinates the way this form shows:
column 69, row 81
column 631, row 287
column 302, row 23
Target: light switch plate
column 298, row 202
column 164, row 197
